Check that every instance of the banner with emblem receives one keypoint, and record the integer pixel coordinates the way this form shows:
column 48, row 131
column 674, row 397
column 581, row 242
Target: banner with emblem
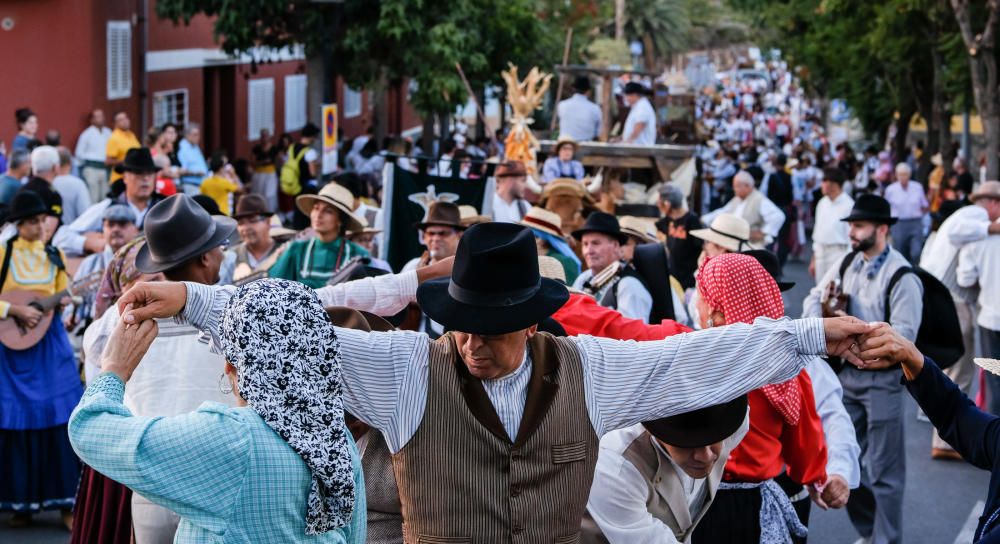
column 405, row 200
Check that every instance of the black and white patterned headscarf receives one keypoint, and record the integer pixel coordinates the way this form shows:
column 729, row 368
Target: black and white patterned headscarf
column 277, row 335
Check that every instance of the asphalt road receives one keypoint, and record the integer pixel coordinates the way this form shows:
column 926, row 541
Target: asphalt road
column 942, row 502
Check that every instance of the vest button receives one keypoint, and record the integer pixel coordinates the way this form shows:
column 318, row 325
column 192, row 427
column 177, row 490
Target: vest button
column 517, row 529
column 515, row 491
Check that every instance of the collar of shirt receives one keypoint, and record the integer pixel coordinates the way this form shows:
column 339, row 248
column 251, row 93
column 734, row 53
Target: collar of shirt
column 874, row 265
column 508, row 395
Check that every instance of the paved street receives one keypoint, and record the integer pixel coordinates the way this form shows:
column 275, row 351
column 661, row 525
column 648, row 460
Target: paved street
column 942, row 504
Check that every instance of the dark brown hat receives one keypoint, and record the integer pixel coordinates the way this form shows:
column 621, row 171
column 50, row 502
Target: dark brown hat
column 251, row 205
column 511, row 169
column 443, row 214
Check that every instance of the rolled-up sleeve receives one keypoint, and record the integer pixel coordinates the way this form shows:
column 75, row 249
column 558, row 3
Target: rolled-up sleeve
column 381, row 295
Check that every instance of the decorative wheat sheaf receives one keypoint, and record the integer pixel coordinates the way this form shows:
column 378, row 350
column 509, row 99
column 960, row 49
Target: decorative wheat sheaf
column 524, row 96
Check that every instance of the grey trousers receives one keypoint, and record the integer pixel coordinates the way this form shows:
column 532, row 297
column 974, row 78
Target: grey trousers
column 875, row 402
column 908, row 238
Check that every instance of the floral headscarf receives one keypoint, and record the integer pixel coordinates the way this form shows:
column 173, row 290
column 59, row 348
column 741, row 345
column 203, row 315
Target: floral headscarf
column 277, row 335
column 739, row 286
column 121, row 272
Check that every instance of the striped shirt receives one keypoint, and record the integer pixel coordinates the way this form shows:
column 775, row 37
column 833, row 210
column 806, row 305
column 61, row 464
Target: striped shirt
column 386, row 373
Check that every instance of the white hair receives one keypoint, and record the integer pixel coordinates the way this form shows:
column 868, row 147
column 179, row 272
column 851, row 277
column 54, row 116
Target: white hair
column 903, row 166
column 744, row 177
column 44, row 158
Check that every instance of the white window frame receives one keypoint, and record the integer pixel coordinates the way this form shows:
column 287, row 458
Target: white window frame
column 183, row 120
column 255, row 119
column 119, row 69
column 296, row 100
column 352, row 102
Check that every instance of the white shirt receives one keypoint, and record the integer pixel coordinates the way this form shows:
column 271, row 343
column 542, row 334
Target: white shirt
column 641, row 112
column 979, row 262
column 829, row 230
column 509, row 213
column 908, row 203
column 386, row 373
column 634, row 301
column 842, row 449
column 618, row 494
column 967, row 225
column 579, row 118
column 70, row 237
column 92, row 144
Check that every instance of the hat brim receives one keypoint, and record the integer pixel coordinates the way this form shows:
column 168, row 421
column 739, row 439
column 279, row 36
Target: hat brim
column 785, row 285
column 305, row 205
column 437, row 303
column 24, row 214
column 871, row 218
column 620, row 236
column 976, row 196
column 251, row 214
column 710, row 235
column 121, row 169
column 640, row 237
column 456, row 226
column 145, row 263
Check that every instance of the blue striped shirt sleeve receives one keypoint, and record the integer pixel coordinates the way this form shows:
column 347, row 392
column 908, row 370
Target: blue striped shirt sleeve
column 627, row 382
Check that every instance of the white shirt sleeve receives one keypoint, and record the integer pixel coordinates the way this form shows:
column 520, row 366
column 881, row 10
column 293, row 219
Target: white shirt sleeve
column 618, row 504
column 691, row 371
column 774, row 218
column 969, row 229
column 70, row 238
column 634, row 301
column 967, row 272
column 381, row 295
column 838, row 429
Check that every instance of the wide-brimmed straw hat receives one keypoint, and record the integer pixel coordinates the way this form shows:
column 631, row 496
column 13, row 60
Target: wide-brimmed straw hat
column 543, row 220
column 565, row 139
column 337, row 196
column 564, row 187
column 643, row 231
column 495, row 286
column 727, row 230
column 988, row 189
column 471, row 216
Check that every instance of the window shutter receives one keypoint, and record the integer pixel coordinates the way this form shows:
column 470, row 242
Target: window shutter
column 296, row 116
column 352, row 102
column 260, row 107
column 119, row 49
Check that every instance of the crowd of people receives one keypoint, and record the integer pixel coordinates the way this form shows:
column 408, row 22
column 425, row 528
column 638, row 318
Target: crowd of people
column 202, row 350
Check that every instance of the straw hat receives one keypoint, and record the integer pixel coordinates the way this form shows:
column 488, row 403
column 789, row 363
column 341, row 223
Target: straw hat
column 471, row 216
column 641, row 229
column 727, row 230
column 543, row 220
column 988, row 189
column 563, row 186
column 550, row 267
column 278, row 230
column 990, row 365
column 565, row 139
column 337, row 196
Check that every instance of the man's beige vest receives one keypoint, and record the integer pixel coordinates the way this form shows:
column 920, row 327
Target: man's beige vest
column 666, row 500
column 463, row 480
column 751, row 210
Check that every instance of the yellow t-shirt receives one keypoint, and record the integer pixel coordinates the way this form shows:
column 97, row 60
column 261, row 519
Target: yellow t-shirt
column 31, row 270
column 118, row 145
column 219, row 189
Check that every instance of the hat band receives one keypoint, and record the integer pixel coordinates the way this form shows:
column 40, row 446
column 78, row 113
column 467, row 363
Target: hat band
column 492, row 300
column 541, row 223
column 727, row 235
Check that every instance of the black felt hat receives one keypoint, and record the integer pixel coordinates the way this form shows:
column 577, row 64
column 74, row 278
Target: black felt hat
column 633, row 87
column 771, row 264
column 604, row 223
column 871, row 208
column 26, row 204
column 700, row 428
column 138, row 159
column 495, row 287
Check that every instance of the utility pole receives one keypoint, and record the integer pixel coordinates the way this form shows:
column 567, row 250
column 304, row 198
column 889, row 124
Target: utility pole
column 619, row 20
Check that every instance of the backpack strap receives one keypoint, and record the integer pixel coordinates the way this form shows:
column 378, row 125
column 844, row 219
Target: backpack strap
column 902, row 271
column 848, row 259
column 6, row 261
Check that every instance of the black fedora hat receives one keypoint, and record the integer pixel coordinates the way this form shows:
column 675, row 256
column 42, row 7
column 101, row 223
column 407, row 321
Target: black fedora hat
column 700, row 428
column 871, row 208
column 770, row 263
column 137, row 159
column 634, row 87
column 442, row 214
column 604, row 223
column 178, row 229
column 495, row 287
column 26, row 204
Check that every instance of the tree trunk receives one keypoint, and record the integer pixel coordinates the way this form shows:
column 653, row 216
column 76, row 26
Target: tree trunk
column 315, row 83
column 902, row 131
column 619, row 20
column 983, row 68
column 427, row 134
column 381, row 109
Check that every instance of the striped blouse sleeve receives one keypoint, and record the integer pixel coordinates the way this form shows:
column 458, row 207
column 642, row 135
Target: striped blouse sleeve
column 627, row 382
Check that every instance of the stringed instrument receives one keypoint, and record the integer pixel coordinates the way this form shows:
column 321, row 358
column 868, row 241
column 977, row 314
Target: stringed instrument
column 18, row 336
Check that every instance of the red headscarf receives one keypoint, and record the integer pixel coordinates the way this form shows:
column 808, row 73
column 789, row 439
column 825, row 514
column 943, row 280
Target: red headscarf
column 742, row 290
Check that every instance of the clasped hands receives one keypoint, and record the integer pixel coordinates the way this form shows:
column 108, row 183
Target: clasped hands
column 870, row 346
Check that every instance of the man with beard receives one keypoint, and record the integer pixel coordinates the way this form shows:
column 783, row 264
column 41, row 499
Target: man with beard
column 874, row 398
column 440, row 231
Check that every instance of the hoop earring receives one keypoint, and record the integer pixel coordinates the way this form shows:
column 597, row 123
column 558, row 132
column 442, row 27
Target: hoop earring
column 225, row 386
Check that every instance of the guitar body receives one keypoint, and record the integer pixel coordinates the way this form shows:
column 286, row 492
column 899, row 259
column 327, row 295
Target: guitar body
column 12, row 335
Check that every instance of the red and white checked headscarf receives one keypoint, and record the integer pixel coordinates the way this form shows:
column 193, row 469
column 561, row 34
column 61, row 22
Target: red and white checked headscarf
column 739, row 287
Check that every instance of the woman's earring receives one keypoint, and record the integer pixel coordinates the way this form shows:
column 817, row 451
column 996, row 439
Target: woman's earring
column 225, row 386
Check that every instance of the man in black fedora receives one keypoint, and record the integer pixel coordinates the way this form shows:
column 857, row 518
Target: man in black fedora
column 874, row 399
column 655, row 480
column 83, row 235
column 579, row 117
column 183, row 241
column 611, row 281
column 440, row 231
column 494, row 427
